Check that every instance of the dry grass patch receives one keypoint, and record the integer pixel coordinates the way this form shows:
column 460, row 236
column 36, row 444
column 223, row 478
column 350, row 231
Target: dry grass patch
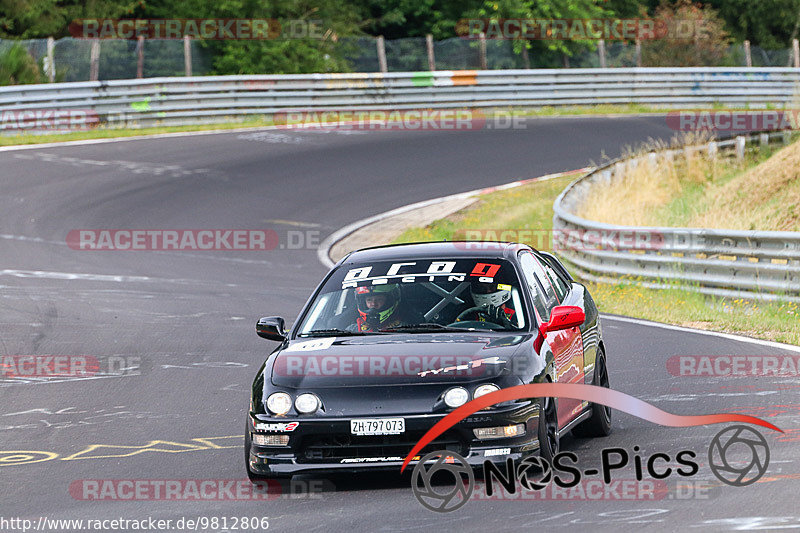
column 765, row 197
column 695, row 189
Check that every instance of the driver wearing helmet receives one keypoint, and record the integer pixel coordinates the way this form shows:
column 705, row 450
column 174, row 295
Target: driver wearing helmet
column 379, row 308
column 492, row 302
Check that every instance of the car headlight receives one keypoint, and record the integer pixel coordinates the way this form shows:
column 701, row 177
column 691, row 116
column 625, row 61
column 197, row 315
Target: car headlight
column 456, row 397
column 306, row 403
column 485, row 389
column 279, row 403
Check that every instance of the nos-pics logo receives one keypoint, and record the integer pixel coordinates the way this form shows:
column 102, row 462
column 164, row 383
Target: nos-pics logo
column 443, row 481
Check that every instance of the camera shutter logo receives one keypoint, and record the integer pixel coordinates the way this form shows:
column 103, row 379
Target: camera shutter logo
column 530, row 466
column 447, row 498
column 738, row 455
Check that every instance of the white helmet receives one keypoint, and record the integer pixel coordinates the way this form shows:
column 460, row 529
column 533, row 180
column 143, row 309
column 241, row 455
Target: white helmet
column 483, row 296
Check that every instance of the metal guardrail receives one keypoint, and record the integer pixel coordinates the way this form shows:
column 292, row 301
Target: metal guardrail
column 172, row 101
column 749, row 264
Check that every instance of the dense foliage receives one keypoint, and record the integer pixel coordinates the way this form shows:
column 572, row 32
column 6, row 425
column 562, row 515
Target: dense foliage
column 767, row 23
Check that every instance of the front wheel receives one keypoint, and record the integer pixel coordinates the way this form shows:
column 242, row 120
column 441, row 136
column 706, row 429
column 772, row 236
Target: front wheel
column 548, row 429
column 599, row 425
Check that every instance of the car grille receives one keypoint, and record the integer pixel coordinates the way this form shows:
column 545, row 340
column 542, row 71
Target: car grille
column 335, row 447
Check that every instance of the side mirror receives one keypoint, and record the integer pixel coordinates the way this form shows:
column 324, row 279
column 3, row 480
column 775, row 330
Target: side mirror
column 271, row 327
column 563, row 317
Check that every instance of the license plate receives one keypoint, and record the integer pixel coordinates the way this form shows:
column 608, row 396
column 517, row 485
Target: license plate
column 377, row 426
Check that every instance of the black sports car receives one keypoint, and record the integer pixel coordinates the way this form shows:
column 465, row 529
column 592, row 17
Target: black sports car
column 396, row 337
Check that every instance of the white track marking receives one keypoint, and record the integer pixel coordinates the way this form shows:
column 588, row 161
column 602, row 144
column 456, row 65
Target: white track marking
column 70, row 276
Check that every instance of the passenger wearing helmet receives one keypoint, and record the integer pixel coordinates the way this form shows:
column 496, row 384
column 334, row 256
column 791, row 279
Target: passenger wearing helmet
column 379, row 307
column 492, row 304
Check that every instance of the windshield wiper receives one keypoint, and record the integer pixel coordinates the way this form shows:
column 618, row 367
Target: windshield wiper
column 335, row 332
column 425, row 327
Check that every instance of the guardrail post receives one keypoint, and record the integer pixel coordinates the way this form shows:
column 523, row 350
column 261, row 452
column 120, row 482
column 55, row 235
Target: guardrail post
column 652, row 159
column 712, row 149
column 94, row 60
column 50, row 68
column 482, row 39
column 619, row 170
column 796, row 53
column 431, row 57
column 740, row 144
column 381, row 54
column 638, row 53
column 526, row 60
column 763, row 140
column 787, row 136
column 748, row 60
column 187, row 55
column 140, row 57
column 601, row 52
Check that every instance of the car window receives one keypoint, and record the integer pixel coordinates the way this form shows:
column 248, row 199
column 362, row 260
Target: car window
column 463, row 293
column 558, row 283
column 534, row 281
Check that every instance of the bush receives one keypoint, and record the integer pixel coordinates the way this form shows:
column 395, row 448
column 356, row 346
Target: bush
column 17, row 66
column 707, row 46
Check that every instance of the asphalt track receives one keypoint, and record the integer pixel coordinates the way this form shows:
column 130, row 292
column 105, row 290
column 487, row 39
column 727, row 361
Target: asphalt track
column 189, row 318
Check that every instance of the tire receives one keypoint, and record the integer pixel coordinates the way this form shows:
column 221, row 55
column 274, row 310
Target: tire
column 548, row 429
column 599, row 424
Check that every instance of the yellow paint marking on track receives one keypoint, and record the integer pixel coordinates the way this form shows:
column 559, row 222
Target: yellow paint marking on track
column 22, row 457
column 212, row 445
column 109, row 451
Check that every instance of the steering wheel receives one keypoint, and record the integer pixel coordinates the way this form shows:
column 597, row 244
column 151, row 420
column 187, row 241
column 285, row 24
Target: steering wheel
column 481, row 311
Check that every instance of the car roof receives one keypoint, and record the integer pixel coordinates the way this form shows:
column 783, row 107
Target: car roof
column 436, row 250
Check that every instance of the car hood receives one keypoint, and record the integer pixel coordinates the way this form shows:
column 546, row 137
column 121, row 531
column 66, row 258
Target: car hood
column 384, row 360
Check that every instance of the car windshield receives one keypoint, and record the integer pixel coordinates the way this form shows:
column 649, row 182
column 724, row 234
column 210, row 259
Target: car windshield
column 418, row 296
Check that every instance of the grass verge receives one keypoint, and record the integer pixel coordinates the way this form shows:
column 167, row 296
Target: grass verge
column 762, row 192
column 526, row 214
column 109, row 133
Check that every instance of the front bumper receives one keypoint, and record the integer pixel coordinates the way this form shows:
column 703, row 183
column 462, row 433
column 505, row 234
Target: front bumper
column 320, row 444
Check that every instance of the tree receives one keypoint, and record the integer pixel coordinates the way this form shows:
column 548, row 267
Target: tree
column 31, row 19
column 17, row 66
column 553, row 50
column 770, row 24
column 706, row 43
column 284, row 54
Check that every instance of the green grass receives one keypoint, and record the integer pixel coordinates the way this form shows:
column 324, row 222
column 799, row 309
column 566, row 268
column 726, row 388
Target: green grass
column 527, row 211
column 600, row 109
column 777, row 321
